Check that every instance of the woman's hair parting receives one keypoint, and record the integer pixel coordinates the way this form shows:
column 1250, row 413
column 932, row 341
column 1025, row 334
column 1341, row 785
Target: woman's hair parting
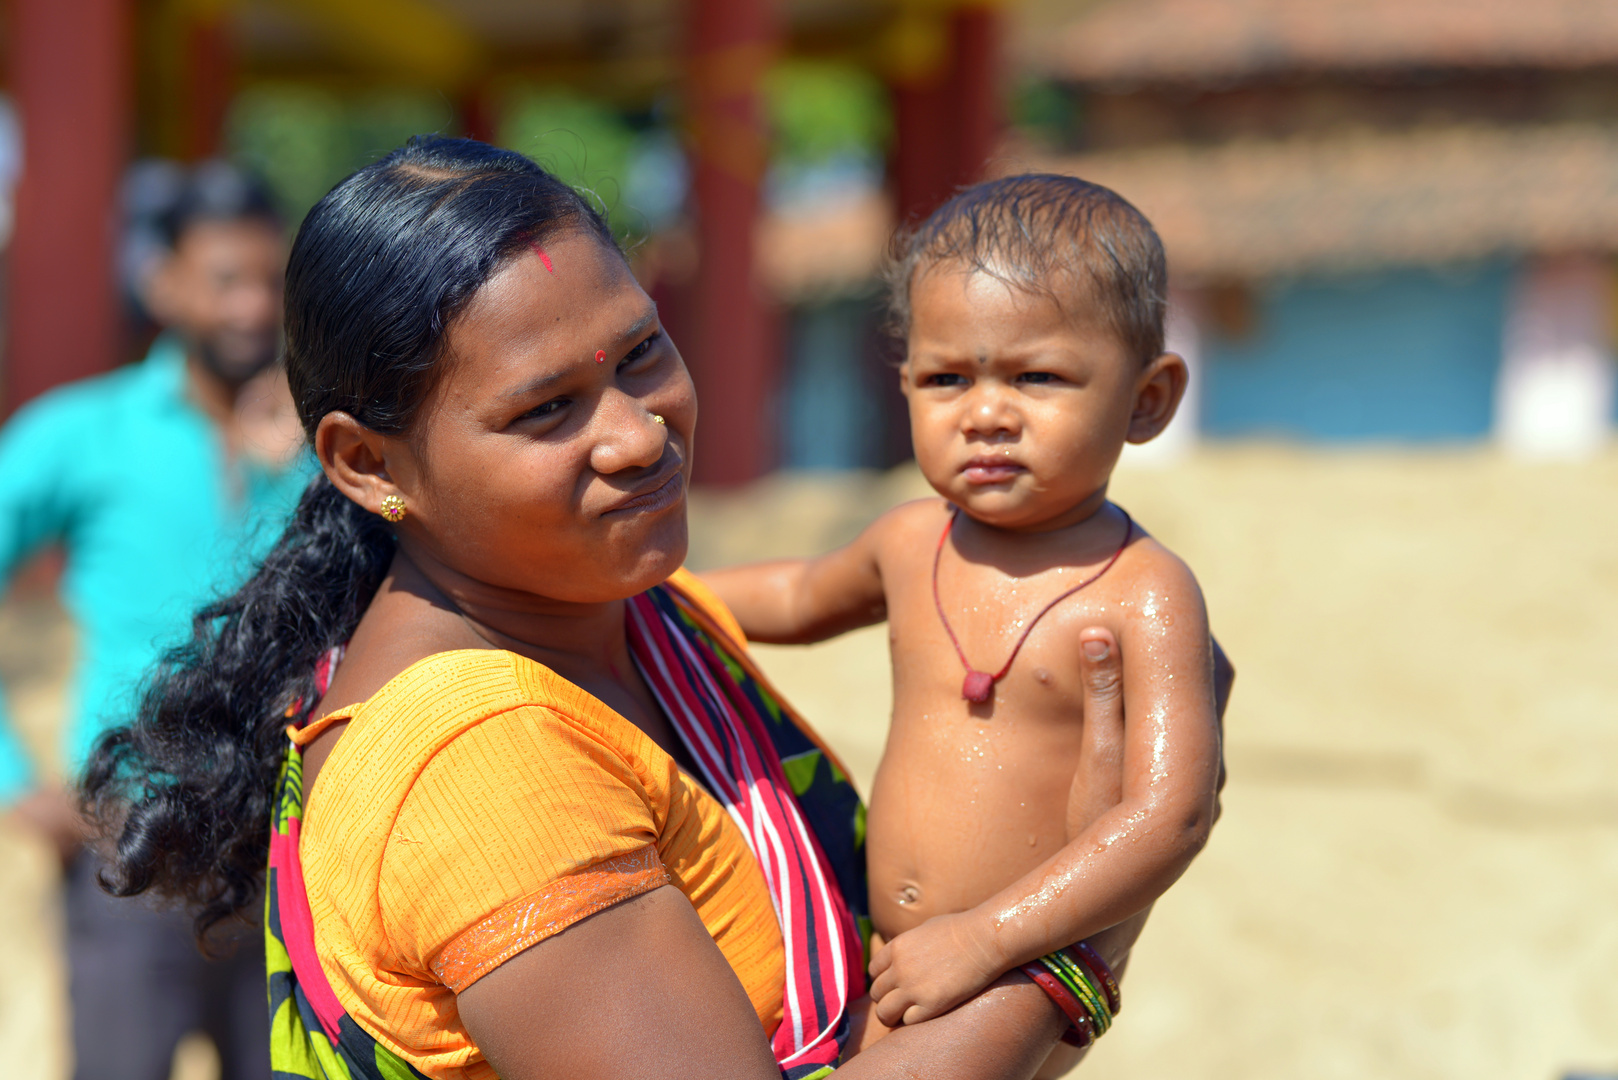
column 1049, row 235
column 379, row 270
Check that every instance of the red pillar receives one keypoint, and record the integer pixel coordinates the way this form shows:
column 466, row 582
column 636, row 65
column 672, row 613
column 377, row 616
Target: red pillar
column 210, row 82
column 733, row 346
column 975, row 85
column 923, row 159
column 947, row 113
column 70, row 62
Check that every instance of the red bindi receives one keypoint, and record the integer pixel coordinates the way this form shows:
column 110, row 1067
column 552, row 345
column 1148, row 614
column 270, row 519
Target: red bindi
column 601, row 355
column 544, row 258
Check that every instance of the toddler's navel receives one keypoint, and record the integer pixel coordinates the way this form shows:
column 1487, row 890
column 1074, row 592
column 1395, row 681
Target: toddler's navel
column 909, row 893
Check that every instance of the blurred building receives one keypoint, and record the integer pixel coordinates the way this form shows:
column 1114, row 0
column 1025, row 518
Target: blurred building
column 754, row 155
column 1386, row 219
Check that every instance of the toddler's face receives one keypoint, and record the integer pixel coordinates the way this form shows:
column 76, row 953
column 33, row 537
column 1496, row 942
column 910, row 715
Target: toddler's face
column 1018, row 409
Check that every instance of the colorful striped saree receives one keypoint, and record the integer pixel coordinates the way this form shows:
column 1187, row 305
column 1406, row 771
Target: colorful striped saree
column 795, row 806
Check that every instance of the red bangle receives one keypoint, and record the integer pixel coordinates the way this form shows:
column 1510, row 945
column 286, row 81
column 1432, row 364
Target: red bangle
column 1081, row 1030
column 1098, row 967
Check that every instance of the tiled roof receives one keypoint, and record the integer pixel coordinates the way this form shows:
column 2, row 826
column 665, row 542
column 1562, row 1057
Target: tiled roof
column 1370, row 199
column 1189, row 40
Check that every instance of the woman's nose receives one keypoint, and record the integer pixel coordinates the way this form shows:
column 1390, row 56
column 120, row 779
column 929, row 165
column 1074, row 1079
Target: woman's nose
column 628, row 435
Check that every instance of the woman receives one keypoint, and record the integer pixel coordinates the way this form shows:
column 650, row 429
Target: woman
column 547, row 828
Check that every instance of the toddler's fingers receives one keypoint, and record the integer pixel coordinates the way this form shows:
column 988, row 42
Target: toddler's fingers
column 917, row 1013
column 892, row 1008
column 882, row 985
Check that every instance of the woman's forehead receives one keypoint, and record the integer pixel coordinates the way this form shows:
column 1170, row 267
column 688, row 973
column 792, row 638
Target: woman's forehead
column 532, row 320
column 577, row 289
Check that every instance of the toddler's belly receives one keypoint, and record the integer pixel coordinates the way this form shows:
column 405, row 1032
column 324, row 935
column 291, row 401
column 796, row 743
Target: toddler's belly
column 958, row 814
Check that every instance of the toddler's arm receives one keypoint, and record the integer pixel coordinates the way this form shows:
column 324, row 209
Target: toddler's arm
column 1119, row 863
column 796, row 601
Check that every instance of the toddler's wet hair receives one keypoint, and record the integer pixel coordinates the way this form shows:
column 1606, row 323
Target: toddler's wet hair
column 1054, row 236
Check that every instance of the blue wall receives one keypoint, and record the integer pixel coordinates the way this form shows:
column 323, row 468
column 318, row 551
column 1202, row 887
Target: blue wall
column 1399, row 355
column 832, row 416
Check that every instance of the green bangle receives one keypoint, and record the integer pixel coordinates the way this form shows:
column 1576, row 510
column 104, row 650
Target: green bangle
column 1073, row 976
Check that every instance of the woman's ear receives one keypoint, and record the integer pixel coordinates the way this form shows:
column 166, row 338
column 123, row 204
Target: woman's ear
column 1158, row 392
column 355, row 459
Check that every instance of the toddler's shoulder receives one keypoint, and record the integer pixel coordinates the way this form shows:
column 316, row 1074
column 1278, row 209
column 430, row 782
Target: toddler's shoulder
column 1149, row 560
column 908, row 524
column 1153, row 581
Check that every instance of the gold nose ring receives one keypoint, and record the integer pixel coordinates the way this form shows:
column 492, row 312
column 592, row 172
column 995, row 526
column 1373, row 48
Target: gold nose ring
column 656, row 419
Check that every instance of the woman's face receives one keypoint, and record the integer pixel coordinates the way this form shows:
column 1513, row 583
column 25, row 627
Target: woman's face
column 536, row 464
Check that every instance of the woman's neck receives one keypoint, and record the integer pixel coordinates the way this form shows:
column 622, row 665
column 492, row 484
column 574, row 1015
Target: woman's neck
column 423, row 608
column 570, row 638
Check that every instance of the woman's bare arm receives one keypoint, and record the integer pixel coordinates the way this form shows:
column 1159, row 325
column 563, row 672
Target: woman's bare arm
column 642, row 990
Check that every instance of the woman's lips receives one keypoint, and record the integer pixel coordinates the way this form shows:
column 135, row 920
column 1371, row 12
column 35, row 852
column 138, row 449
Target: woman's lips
column 991, row 470
column 661, row 497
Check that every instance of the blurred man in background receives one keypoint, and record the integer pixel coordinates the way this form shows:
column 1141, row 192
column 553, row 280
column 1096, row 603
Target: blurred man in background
column 160, row 481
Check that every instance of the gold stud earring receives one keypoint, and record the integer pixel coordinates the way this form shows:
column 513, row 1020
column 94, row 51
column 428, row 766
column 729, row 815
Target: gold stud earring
column 393, row 508
column 656, row 419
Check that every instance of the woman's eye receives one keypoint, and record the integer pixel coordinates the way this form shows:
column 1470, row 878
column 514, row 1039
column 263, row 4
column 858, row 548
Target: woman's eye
column 539, row 412
column 642, row 349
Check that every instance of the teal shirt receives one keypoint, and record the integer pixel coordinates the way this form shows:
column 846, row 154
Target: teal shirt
column 132, row 480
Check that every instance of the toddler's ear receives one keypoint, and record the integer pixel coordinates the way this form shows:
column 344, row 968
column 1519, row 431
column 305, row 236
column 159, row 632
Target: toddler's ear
column 904, row 378
column 1158, row 393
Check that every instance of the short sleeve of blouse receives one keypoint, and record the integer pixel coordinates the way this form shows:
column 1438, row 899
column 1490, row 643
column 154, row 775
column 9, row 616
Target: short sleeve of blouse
column 517, row 828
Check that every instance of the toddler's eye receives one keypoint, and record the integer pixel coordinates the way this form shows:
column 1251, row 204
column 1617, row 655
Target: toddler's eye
column 1037, row 377
column 943, row 379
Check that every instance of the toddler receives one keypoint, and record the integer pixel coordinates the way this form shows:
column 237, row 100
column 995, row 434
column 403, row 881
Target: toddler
column 1032, row 311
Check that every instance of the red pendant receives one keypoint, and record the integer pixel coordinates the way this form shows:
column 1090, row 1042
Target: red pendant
column 978, row 687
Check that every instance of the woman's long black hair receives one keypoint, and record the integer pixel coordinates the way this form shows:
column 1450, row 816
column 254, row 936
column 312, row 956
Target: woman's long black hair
column 379, row 269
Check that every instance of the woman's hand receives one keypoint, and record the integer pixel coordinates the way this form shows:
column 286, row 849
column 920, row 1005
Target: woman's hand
column 51, row 813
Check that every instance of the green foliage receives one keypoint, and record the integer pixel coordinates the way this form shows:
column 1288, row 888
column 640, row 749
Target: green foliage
column 582, row 141
column 1047, row 111
column 821, row 110
column 303, row 139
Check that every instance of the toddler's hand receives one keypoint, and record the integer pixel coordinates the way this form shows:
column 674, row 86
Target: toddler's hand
column 928, row 971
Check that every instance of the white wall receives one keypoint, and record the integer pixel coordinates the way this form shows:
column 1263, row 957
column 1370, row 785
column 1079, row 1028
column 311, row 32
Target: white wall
column 1183, row 335
column 1554, row 397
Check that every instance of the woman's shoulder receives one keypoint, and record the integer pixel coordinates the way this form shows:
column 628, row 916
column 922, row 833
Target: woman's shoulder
column 425, row 719
column 432, row 698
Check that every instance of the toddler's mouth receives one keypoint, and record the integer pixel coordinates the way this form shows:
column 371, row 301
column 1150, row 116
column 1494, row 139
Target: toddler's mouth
column 991, row 470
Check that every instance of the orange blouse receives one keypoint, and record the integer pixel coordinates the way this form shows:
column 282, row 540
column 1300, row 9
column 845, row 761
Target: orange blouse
column 478, row 804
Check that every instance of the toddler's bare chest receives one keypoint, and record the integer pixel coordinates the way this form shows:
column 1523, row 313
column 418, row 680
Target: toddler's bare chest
column 1031, row 665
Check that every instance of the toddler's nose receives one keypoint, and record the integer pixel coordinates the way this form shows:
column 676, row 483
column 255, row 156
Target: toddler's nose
column 989, row 412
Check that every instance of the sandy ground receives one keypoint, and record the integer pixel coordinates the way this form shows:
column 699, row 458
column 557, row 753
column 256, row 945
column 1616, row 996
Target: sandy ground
column 1417, row 871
